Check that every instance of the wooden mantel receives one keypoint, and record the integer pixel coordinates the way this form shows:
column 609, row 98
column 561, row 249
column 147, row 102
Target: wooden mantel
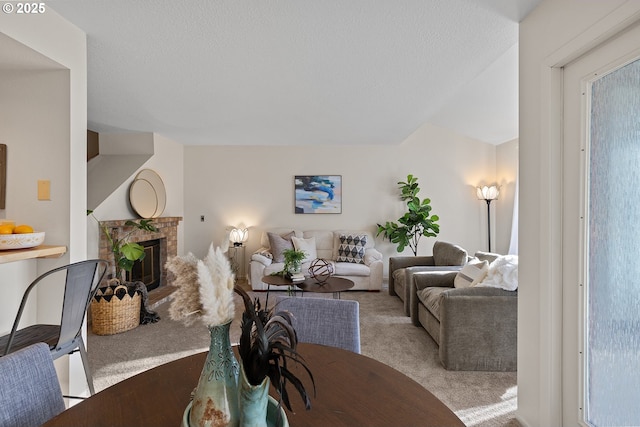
column 42, row 251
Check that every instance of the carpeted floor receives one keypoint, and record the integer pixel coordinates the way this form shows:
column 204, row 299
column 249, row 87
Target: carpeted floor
column 478, row 398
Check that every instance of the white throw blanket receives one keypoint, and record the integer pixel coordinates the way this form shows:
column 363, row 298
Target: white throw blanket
column 503, row 273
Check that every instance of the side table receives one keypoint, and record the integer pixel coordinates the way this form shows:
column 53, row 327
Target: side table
column 236, row 256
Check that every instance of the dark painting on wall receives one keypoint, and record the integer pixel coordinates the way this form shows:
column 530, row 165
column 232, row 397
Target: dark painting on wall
column 318, row 194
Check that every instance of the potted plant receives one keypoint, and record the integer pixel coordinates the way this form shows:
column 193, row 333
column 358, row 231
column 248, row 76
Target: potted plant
column 267, row 343
column 126, row 253
column 415, row 223
column 292, row 261
column 121, row 306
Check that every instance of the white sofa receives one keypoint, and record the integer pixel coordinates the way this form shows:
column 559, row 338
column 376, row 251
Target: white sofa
column 367, row 276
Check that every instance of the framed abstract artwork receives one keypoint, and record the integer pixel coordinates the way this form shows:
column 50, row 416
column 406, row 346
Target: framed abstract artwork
column 318, row 194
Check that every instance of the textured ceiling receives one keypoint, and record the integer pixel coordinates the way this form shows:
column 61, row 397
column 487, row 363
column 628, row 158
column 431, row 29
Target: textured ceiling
column 298, row 72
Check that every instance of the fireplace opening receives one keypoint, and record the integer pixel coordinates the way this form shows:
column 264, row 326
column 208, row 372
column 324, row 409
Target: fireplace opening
column 155, row 259
column 149, row 269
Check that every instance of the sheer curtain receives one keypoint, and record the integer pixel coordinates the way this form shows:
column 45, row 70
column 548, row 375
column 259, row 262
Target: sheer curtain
column 513, row 243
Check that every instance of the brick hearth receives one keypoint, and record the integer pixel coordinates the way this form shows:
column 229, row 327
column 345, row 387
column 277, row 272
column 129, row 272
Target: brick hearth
column 167, row 234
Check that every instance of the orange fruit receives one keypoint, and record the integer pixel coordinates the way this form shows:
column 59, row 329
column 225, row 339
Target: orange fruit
column 6, row 229
column 23, row 229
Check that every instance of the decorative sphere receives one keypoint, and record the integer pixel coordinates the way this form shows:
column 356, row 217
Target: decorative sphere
column 321, row 269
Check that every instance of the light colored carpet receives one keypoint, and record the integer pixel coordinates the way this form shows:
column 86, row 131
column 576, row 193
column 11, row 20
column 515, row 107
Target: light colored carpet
column 478, row 398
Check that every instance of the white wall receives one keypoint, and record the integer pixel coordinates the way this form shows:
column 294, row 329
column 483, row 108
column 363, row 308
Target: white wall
column 43, row 117
column 254, row 186
column 167, row 161
column 56, row 39
column 38, row 152
column 121, row 154
column 553, row 34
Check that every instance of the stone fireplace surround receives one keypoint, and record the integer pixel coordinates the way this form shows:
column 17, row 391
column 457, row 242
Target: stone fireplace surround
column 167, row 234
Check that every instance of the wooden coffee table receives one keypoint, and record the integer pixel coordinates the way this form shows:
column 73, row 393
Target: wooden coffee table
column 334, row 285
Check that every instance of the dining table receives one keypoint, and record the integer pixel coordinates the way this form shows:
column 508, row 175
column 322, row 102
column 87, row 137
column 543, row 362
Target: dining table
column 350, row 390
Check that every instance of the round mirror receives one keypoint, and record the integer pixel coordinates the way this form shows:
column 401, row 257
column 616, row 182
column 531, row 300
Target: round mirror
column 147, row 194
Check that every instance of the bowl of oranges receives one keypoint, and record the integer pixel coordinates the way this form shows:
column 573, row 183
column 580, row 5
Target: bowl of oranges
column 19, row 236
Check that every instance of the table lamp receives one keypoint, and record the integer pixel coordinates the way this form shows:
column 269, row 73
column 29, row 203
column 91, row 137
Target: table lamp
column 238, row 236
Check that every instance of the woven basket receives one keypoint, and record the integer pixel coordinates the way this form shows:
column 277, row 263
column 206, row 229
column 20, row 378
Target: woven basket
column 117, row 315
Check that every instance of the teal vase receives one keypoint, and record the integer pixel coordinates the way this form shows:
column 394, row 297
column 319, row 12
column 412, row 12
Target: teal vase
column 215, row 400
column 253, row 401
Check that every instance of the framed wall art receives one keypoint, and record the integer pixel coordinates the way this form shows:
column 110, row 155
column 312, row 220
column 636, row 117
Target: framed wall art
column 318, row 194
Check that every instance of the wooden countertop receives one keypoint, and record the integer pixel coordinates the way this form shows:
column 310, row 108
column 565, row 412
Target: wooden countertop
column 42, row 251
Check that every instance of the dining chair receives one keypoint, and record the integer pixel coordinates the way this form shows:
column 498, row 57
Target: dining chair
column 81, row 283
column 30, row 393
column 332, row 322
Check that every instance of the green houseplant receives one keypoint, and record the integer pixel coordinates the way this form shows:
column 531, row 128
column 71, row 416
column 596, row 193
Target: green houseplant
column 126, row 253
column 415, row 223
column 292, row 261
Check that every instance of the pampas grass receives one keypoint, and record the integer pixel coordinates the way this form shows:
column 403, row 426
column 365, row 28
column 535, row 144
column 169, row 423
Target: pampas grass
column 186, row 298
column 216, row 288
column 205, row 288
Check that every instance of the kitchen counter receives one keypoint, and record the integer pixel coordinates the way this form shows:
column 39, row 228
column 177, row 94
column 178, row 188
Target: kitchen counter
column 42, row 251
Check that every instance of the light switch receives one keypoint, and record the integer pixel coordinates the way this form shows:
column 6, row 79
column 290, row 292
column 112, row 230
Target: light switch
column 44, row 189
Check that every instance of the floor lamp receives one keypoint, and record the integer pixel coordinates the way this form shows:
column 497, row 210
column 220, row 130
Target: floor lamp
column 488, row 194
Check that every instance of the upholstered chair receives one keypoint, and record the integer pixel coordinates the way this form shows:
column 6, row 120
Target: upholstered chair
column 331, row 322
column 446, row 257
column 30, row 393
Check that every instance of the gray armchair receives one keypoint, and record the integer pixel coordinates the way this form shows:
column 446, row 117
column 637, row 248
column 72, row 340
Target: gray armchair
column 475, row 328
column 446, row 257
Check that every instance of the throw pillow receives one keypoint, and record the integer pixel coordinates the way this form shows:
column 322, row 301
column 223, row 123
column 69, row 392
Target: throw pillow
column 471, row 274
column 278, row 244
column 448, row 254
column 351, row 248
column 308, row 246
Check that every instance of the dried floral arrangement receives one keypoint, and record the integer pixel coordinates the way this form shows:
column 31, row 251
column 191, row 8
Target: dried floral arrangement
column 268, row 340
column 204, row 288
column 268, row 343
